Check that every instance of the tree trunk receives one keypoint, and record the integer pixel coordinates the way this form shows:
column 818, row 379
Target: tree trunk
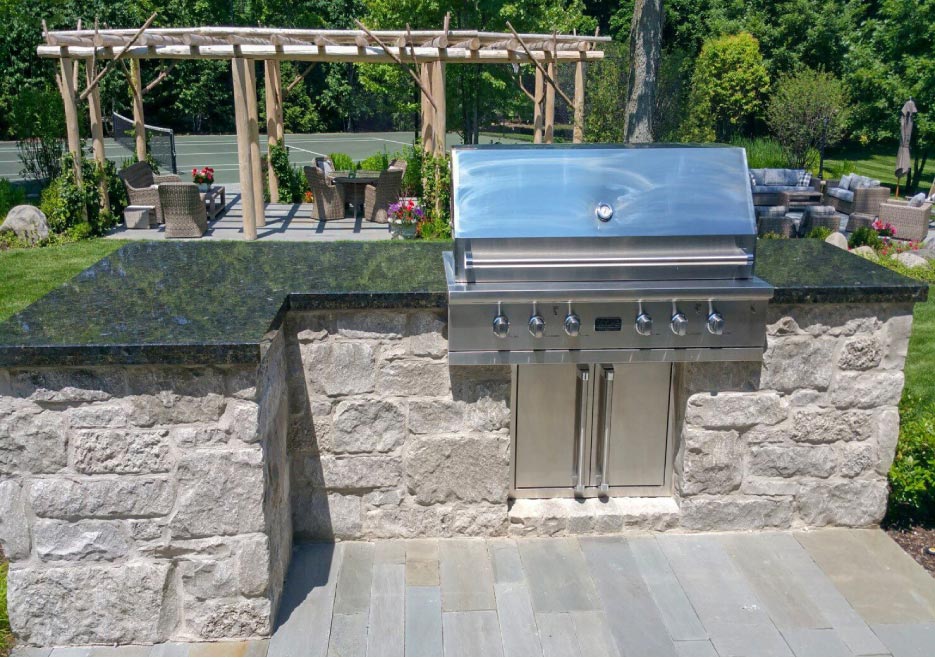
column 645, row 46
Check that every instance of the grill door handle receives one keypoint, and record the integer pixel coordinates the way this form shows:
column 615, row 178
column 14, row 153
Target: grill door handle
column 581, row 397
column 607, row 402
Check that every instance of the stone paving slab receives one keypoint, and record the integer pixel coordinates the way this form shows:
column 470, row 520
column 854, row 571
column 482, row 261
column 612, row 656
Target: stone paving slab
column 768, row 593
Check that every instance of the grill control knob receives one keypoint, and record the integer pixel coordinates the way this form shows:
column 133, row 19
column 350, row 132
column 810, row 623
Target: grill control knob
column 679, row 324
column 604, row 212
column 537, row 326
column 572, row 324
column 501, row 326
column 644, row 324
column 715, row 323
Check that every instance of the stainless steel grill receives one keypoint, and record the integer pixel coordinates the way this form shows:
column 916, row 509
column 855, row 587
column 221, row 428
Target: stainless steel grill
column 603, row 254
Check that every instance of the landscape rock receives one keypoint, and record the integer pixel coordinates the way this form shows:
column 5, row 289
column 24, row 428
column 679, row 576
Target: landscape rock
column 910, row 259
column 864, row 251
column 838, row 240
column 27, row 222
column 93, row 604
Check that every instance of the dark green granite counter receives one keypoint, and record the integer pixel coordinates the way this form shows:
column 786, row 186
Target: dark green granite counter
column 212, row 302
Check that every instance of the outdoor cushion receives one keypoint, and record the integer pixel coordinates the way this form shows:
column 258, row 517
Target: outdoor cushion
column 752, row 180
column 917, row 200
column 805, row 178
column 780, row 176
column 771, row 211
column 845, row 182
column 843, row 195
column 820, row 211
column 773, row 189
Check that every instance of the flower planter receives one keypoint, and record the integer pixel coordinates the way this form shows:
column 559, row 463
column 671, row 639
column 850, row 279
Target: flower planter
column 405, row 231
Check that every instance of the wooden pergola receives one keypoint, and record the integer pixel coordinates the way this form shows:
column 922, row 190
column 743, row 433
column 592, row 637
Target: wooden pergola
column 423, row 53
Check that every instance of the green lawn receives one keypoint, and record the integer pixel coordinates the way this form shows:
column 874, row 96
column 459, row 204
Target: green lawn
column 28, row 274
column 875, row 162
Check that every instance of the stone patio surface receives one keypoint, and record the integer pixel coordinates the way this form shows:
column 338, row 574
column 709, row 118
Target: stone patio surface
column 823, row 592
column 287, row 222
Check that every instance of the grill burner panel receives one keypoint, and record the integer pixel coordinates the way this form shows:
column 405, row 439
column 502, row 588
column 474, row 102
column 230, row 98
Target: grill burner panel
column 603, row 255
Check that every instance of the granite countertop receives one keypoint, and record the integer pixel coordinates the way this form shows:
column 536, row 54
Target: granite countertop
column 213, row 302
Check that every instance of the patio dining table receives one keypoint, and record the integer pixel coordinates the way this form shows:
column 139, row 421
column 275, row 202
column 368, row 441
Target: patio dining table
column 354, row 185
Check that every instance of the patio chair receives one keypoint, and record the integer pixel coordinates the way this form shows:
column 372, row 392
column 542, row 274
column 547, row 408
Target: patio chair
column 377, row 198
column 183, row 209
column 141, row 183
column 856, row 194
column 910, row 223
column 326, row 165
column 818, row 216
column 328, row 198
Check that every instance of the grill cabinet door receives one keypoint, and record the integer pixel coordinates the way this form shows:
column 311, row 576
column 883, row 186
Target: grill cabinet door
column 636, row 445
column 549, row 419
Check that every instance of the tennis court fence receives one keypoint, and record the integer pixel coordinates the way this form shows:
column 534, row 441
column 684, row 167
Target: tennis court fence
column 160, row 142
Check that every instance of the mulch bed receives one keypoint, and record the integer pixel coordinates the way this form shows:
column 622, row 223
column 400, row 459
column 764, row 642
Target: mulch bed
column 915, row 540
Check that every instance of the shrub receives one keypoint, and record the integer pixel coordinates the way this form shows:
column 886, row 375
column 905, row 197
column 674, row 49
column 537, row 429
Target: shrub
column 341, row 161
column 727, row 88
column 806, row 111
column 762, row 152
column 865, row 236
column 68, row 205
column 412, row 179
column 436, row 196
column 292, row 183
column 912, row 476
column 376, row 162
column 38, row 121
column 41, row 157
column 819, row 233
column 10, row 196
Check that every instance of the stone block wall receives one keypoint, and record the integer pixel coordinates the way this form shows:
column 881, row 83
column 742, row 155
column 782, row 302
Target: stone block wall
column 144, row 504
column 385, row 439
column 807, row 437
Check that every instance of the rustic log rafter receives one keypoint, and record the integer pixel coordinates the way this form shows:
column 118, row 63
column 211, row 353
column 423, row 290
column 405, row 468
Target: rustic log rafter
column 117, row 57
column 548, row 79
column 298, row 78
column 395, row 57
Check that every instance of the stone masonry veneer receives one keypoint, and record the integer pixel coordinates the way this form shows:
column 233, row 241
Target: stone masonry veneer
column 144, row 504
column 153, row 503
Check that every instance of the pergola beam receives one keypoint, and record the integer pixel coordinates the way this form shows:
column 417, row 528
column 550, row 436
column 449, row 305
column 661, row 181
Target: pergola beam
column 312, row 53
column 242, row 120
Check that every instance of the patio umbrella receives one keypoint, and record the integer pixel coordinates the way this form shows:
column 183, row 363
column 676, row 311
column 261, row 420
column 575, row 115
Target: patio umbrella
column 903, row 162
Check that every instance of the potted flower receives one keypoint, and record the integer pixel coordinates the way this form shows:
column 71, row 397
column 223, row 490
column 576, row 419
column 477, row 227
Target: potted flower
column 405, row 216
column 203, row 178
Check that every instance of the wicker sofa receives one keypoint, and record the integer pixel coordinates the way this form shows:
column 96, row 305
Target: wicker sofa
column 909, row 223
column 141, row 183
column 768, row 184
column 854, row 193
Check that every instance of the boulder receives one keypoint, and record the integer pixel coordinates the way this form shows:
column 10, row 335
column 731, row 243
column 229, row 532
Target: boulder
column 864, row 250
column 837, row 239
column 910, row 259
column 27, row 222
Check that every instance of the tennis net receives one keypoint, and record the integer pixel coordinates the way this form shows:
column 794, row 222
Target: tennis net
column 160, row 142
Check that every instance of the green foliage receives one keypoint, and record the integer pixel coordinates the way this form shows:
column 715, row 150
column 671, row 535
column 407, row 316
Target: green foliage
column 75, row 209
column 865, row 235
column 376, row 162
column 342, row 161
column 10, row 195
column 806, row 110
column 605, row 118
column 912, row 476
column 412, row 178
column 819, row 233
column 773, row 236
column 436, row 196
column 727, row 89
column 762, row 152
column 292, row 184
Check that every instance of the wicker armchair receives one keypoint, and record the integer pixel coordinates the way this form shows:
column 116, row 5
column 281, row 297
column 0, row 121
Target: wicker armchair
column 866, row 199
column 910, row 223
column 140, row 182
column 377, row 198
column 183, row 209
column 328, row 198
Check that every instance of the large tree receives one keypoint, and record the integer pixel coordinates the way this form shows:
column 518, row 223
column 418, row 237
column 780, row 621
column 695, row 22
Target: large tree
column 645, row 47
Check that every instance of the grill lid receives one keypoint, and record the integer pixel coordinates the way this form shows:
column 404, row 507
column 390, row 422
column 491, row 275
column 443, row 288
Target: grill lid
column 602, row 190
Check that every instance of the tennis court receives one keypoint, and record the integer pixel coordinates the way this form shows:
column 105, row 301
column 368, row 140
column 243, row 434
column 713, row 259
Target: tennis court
column 220, row 151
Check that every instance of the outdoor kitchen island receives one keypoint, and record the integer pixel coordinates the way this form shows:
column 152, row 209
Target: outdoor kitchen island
column 172, row 418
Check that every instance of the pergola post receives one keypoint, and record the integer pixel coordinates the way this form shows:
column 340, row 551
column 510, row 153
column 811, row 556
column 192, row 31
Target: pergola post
column 67, row 82
column 537, row 108
column 97, row 135
column 549, row 129
column 428, row 112
column 256, row 164
column 139, row 125
column 439, row 126
column 274, row 122
column 242, row 122
column 578, row 131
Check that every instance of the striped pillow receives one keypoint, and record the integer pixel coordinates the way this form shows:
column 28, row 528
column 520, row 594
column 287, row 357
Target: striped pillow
column 805, row 179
